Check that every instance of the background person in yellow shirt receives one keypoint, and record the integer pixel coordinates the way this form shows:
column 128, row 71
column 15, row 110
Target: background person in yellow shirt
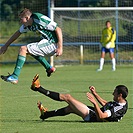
column 108, row 44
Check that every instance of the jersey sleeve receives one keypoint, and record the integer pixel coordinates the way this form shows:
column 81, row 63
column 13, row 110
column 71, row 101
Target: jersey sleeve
column 47, row 23
column 108, row 112
column 113, row 38
column 51, row 26
column 23, row 29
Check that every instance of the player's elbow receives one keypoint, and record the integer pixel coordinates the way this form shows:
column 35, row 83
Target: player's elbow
column 103, row 103
column 103, row 115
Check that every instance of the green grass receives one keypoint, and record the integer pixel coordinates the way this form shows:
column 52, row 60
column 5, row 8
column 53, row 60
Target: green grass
column 19, row 113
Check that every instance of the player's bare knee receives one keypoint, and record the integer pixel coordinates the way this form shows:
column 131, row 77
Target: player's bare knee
column 23, row 49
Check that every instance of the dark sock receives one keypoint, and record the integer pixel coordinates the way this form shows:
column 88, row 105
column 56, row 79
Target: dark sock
column 59, row 112
column 51, row 94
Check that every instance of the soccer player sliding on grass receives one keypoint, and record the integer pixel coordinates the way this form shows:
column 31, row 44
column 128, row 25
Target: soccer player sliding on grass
column 110, row 111
column 49, row 44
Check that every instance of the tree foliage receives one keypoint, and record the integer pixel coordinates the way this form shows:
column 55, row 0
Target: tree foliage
column 10, row 8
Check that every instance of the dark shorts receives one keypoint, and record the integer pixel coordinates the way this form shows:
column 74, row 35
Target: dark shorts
column 91, row 117
column 110, row 50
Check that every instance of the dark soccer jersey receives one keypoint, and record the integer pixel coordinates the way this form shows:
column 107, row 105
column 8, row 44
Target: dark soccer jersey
column 117, row 110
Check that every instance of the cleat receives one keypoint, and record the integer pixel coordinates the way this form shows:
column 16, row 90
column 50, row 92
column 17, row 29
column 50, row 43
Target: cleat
column 35, row 83
column 42, row 109
column 98, row 70
column 113, row 69
column 10, row 79
column 51, row 70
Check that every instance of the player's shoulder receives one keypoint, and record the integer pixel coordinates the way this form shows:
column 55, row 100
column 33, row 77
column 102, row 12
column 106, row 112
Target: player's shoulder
column 40, row 16
column 36, row 15
column 113, row 30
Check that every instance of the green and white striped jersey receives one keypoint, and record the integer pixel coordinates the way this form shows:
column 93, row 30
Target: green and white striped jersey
column 43, row 26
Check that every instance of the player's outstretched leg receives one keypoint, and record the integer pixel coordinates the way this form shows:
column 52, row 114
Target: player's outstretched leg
column 37, row 87
column 47, row 66
column 46, row 114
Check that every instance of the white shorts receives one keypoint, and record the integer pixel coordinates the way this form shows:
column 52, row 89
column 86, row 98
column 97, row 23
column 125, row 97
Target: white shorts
column 42, row 48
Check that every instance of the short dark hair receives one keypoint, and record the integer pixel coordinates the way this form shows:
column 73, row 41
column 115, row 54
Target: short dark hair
column 122, row 89
column 107, row 22
column 25, row 12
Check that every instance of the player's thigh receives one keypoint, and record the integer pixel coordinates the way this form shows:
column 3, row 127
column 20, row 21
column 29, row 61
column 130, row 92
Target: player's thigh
column 42, row 48
column 102, row 54
column 111, row 53
column 33, row 49
column 78, row 107
column 47, row 47
column 103, row 51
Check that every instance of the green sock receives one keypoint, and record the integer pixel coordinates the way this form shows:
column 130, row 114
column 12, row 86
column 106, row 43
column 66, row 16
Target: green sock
column 43, row 61
column 19, row 64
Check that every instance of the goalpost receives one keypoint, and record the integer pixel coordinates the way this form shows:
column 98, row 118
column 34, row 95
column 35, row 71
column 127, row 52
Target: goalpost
column 82, row 29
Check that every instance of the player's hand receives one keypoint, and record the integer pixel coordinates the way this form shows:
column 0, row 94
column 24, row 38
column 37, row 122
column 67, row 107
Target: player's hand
column 92, row 89
column 91, row 98
column 3, row 49
column 58, row 51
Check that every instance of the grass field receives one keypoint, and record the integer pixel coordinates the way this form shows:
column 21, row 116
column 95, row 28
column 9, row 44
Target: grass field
column 19, row 113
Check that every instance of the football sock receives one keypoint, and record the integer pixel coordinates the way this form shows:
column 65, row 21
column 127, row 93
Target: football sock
column 59, row 112
column 19, row 64
column 51, row 94
column 113, row 63
column 43, row 61
column 101, row 63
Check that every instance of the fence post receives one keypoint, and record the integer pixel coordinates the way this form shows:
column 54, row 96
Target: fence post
column 81, row 54
column 52, row 17
column 116, row 12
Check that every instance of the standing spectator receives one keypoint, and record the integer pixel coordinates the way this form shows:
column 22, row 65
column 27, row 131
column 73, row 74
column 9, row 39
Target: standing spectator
column 108, row 44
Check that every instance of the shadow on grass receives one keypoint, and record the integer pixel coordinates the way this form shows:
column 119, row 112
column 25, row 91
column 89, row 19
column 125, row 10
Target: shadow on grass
column 45, row 121
column 130, row 108
column 39, row 121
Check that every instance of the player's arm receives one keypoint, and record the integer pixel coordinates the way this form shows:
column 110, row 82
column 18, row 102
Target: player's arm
column 99, row 99
column 113, row 37
column 58, row 32
column 13, row 38
column 99, row 113
column 52, row 26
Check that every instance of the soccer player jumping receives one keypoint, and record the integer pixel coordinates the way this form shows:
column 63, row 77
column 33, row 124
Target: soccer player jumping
column 110, row 111
column 49, row 44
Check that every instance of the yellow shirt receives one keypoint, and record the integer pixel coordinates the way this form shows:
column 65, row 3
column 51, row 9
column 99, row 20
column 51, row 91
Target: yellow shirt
column 108, row 35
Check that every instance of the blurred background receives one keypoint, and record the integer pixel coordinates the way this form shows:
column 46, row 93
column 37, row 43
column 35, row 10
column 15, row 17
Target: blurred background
column 81, row 29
